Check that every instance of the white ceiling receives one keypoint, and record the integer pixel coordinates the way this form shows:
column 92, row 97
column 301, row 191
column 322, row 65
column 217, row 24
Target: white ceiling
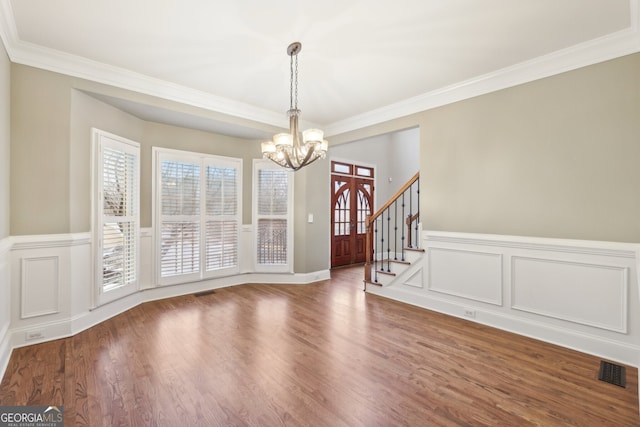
column 361, row 60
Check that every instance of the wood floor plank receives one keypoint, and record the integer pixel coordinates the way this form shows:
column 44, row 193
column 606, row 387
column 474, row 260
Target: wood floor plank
column 325, row 354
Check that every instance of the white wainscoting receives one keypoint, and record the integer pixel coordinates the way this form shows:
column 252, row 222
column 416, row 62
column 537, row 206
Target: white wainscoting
column 39, row 286
column 590, row 294
column 578, row 294
column 49, row 274
column 5, row 312
column 46, row 283
column 479, row 280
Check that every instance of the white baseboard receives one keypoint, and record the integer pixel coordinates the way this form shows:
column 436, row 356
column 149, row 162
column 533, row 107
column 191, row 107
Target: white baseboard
column 47, row 331
column 598, row 346
column 100, row 314
column 43, row 305
column 583, row 295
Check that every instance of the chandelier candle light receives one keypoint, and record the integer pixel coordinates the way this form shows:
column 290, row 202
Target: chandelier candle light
column 286, row 149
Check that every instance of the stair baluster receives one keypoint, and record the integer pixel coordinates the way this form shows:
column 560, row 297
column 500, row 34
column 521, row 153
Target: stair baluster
column 388, row 241
column 417, row 219
column 395, row 231
column 375, row 259
column 379, row 244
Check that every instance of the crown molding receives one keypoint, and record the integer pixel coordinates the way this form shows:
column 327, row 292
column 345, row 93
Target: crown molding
column 72, row 65
column 8, row 30
column 594, row 51
column 29, row 54
column 598, row 50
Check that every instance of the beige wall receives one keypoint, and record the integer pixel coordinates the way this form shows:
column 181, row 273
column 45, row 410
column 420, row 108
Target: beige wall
column 5, row 138
column 51, row 157
column 311, row 241
column 39, row 152
column 86, row 113
column 5, row 141
column 551, row 158
column 52, row 115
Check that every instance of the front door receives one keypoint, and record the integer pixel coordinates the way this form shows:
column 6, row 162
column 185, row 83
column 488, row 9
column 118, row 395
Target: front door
column 351, row 201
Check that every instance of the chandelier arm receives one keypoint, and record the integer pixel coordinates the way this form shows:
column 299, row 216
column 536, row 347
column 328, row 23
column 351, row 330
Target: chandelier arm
column 306, row 161
column 279, row 162
column 289, row 163
column 311, row 161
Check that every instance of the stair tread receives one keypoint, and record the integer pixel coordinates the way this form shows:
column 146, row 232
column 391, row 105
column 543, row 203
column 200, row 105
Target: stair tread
column 389, row 273
column 370, row 282
column 397, row 261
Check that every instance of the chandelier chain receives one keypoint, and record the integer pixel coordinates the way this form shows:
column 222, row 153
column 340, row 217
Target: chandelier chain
column 293, row 89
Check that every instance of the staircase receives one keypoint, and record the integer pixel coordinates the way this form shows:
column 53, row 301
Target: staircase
column 393, row 237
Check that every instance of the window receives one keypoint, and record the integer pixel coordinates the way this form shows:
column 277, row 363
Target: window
column 116, row 223
column 272, row 207
column 198, row 215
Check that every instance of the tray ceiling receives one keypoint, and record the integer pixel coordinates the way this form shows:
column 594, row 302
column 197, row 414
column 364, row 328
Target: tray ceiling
column 361, row 61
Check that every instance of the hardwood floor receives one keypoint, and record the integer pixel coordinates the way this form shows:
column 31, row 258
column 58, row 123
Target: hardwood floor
column 321, row 355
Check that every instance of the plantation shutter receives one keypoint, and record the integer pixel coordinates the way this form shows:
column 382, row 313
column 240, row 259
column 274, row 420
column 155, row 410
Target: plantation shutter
column 180, row 219
column 199, row 216
column 222, row 221
column 273, row 198
column 117, row 225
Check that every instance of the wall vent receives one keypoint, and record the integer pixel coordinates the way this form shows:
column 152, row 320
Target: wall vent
column 612, row 373
column 204, row 293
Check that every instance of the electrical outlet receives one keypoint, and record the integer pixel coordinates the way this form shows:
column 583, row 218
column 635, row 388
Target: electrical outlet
column 33, row 335
column 469, row 313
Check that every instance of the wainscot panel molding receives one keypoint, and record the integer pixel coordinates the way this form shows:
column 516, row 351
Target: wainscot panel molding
column 481, row 280
column 50, row 276
column 49, row 241
column 51, row 280
column 415, row 278
column 602, row 291
column 583, row 295
column 39, row 286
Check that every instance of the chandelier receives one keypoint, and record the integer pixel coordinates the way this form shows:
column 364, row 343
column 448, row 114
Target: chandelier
column 286, row 149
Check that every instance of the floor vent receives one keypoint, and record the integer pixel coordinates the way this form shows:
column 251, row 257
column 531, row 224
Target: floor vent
column 204, row 293
column 612, row 373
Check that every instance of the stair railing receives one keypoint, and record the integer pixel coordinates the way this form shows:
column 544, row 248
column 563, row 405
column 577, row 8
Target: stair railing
column 391, row 229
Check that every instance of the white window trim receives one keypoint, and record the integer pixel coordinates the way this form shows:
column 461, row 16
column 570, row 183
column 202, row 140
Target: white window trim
column 259, row 164
column 159, row 154
column 101, row 139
